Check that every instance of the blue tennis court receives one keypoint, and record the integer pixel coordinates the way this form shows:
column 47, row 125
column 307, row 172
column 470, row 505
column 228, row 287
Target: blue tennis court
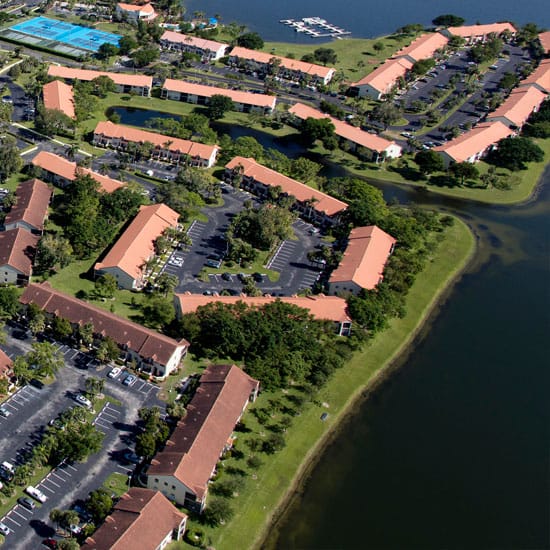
column 60, row 31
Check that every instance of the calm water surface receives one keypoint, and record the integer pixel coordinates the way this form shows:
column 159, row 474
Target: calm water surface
column 365, row 18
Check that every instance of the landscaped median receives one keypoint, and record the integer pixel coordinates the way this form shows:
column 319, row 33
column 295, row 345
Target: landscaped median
column 262, row 496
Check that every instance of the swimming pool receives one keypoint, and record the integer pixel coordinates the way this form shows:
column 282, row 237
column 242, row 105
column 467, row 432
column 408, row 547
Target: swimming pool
column 84, row 38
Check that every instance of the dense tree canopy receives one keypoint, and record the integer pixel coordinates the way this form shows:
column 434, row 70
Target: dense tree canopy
column 514, row 152
column 250, row 40
column 448, row 20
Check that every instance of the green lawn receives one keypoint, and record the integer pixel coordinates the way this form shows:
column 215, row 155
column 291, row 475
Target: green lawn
column 258, row 500
column 116, row 484
column 7, row 503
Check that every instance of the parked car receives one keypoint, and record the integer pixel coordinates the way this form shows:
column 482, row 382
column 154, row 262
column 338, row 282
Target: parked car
column 129, row 380
column 214, row 261
column 82, row 400
column 114, row 372
column 36, row 494
column 258, row 277
column 27, row 503
column 132, row 457
column 4, row 529
column 4, row 412
column 226, row 276
column 50, row 543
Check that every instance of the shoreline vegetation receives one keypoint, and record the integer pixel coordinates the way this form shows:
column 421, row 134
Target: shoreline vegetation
column 261, row 508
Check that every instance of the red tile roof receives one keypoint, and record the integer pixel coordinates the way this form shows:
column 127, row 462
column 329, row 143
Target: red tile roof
column 184, row 146
column 70, row 171
column 424, row 46
column 343, row 129
column 519, row 105
column 122, row 79
column 475, row 141
column 5, row 365
column 326, row 308
column 303, row 193
column 148, row 343
column 144, row 8
column 140, row 520
column 473, row 31
column 137, row 244
column 17, row 248
column 33, row 198
column 59, row 96
column 539, row 77
column 544, row 38
column 194, row 41
column 195, row 445
column 365, row 257
column 385, row 77
column 200, row 90
column 286, row 63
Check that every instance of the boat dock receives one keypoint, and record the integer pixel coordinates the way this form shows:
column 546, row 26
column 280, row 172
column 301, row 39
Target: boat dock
column 315, row 27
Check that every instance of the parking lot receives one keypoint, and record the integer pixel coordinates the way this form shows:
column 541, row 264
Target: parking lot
column 31, row 409
column 290, row 260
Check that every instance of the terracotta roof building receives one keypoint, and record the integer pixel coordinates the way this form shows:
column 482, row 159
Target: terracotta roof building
column 378, row 147
column 207, row 49
column 245, row 102
column 31, row 208
column 310, row 203
column 544, row 38
column 141, row 520
column 287, row 68
column 423, row 47
column 5, row 365
column 518, row 106
column 108, row 134
column 324, row 308
column 126, row 258
column 181, row 471
column 474, row 144
column 383, row 79
column 479, row 33
column 125, row 83
column 364, row 259
column 17, row 250
column 153, row 352
column 59, row 96
column 540, row 77
column 62, row 172
column 134, row 13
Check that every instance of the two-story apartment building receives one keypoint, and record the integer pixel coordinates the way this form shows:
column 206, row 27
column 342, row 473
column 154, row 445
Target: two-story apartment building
column 182, row 470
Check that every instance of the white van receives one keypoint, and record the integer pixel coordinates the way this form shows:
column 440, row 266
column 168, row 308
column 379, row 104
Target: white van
column 8, row 467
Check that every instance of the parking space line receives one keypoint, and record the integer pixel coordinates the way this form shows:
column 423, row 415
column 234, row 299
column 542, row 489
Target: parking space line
column 8, row 403
column 60, row 478
column 14, row 511
column 52, row 482
column 47, row 488
column 71, row 467
column 110, row 414
column 12, row 520
column 74, row 355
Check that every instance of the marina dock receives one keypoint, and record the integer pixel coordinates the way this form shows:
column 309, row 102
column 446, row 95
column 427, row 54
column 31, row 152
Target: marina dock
column 315, row 27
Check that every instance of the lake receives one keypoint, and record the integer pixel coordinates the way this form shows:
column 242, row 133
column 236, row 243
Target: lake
column 364, row 18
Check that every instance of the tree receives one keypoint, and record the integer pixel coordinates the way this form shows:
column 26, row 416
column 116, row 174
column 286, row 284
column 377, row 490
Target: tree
column 218, row 105
column 218, row 511
column 250, row 40
column 508, row 81
column 45, row 358
column 422, row 66
column 146, row 444
column 463, row 171
column 105, row 286
column 387, row 113
column 448, row 20
column 158, row 311
column 86, row 334
column 107, row 350
column 167, row 283
column 304, row 170
column 94, row 386
column 126, row 44
column 37, row 324
column 514, row 152
column 9, row 302
column 317, row 129
column 22, row 370
column 61, row 328
column 10, row 160
column 429, row 161
column 325, row 56
column 102, row 85
column 52, row 250
column 272, row 444
column 145, row 55
column 99, row 504
column 106, row 50
column 52, row 121
column 68, row 544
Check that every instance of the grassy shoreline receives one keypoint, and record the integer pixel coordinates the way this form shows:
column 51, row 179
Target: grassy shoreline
column 260, row 508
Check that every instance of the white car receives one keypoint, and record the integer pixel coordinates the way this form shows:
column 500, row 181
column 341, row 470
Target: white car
column 83, row 401
column 114, row 372
column 4, row 529
column 36, row 494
